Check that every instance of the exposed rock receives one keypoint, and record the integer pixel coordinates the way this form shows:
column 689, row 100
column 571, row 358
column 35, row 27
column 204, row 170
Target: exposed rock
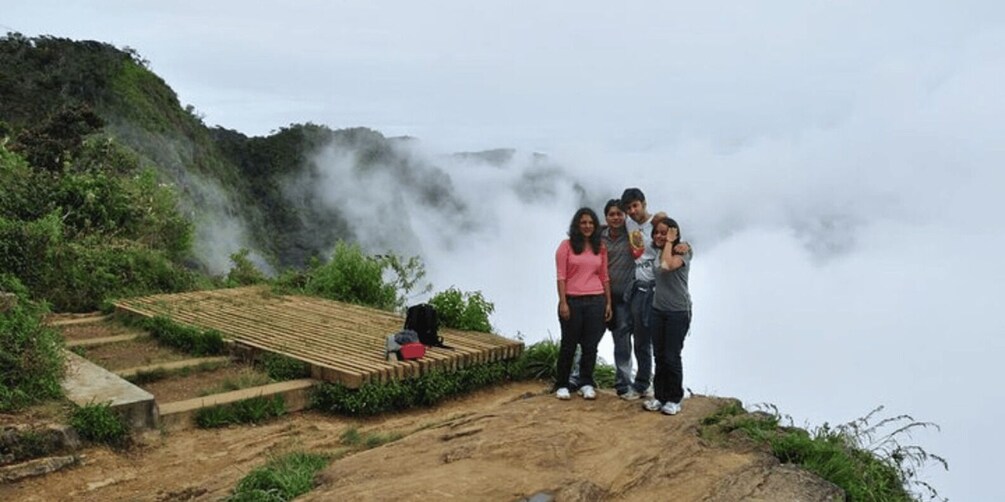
column 37, row 467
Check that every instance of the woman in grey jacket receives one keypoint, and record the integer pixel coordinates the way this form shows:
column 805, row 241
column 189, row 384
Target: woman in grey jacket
column 671, row 317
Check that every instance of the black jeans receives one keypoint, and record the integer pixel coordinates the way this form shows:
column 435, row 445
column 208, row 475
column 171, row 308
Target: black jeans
column 584, row 327
column 669, row 330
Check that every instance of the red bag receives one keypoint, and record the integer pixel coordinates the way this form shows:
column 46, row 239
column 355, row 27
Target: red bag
column 413, row 350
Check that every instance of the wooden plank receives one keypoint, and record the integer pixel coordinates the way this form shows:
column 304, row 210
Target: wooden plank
column 341, row 342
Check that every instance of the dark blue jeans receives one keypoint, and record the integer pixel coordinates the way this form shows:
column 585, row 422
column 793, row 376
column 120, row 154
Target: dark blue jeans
column 584, row 328
column 669, row 330
column 621, row 332
column 642, row 329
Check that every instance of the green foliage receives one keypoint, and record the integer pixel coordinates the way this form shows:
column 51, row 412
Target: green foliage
column 187, row 338
column 862, row 457
column 253, row 410
column 604, row 374
column 353, row 277
column 243, row 273
column 100, row 234
column 281, row 368
column 98, row 423
column 31, row 355
column 351, row 437
column 406, row 275
column 539, row 361
column 425, row 390
column 281, row 479
column 381, row 281
column 460, row 310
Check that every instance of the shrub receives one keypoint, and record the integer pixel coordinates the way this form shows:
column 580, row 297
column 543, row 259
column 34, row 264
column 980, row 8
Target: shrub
column 351, row 276
column 460, row 310
column 425, row 390
column 863, row 458
column 281, row 478
column 538, row 361
column 31, row 355
column 351, row 437
column 281, row 368
column 187, row 338
column 380, row 281
column 253, row 410
column 98, row 423
column 604, row 374
column 244, row 272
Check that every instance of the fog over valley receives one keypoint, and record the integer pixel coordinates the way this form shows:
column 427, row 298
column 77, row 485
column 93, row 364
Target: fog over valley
column 836, row 167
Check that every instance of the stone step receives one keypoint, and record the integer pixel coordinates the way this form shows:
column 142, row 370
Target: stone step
column 93, row 342
column 173, row 365
column 79, row 319
column 87, row 383
column 178, row 415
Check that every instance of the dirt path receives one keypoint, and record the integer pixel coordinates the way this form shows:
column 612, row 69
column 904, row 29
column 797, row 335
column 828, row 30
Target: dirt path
column 503, row 443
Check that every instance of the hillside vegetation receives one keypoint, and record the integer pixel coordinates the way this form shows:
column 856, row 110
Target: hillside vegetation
column 111, row 188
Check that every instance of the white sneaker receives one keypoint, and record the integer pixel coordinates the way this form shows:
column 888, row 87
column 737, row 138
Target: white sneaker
column 587, row 392
column 670, row 408
column 649, row 393
column 652, row 405
column 563, row 394
column 630, row 395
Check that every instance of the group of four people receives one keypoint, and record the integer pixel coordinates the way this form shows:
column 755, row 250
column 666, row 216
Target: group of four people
column 631, row 276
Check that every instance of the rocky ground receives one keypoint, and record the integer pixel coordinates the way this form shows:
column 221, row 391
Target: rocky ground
column 508, row 443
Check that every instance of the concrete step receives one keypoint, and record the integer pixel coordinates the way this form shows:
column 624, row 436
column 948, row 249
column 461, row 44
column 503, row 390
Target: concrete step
column 79, row 319
column 171, row 366
column 93, row 342
column 178, row 415
column 87, row 383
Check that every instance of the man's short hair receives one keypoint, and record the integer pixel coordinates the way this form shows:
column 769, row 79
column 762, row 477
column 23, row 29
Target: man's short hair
column 631, row 195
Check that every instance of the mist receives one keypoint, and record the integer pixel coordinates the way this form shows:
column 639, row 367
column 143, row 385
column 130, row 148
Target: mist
column 836, row 270
column 837, row 167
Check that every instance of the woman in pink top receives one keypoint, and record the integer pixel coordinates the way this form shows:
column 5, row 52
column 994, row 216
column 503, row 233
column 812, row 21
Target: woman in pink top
column 584, row 300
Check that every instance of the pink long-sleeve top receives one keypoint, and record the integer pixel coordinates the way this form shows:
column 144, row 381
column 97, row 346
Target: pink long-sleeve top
column 584, row 273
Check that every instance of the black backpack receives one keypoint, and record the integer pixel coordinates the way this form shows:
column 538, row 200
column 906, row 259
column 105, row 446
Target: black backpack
column 422, row 319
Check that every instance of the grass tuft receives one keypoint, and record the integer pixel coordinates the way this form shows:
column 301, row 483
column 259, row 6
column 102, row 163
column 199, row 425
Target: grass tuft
column 97, row 422
column 864, row 457
column 281, row 478
column 254, row 410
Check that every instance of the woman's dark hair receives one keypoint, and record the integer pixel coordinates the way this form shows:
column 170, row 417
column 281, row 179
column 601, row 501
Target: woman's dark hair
column 576, row 237
column 670, row 223
column 611, row 203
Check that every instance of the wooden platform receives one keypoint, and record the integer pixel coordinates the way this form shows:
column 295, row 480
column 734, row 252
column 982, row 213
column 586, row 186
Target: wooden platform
column 343, row 343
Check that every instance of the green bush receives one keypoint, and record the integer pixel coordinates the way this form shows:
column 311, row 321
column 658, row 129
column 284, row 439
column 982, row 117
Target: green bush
column 186, row 338
column 31, row 355
column 539, row 361
column 243, row 273
column 353, row 277
column 281, row 479
column 281, row 368
column 380, row 281
column 98, row 423
column 352, row 438
column 425, row 390
column 248, row 411
column 604, row 374
column 863, row 458
column 102, row 226
column 460, row 310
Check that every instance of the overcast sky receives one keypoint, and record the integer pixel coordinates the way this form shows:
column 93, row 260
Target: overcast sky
column 838, row 166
